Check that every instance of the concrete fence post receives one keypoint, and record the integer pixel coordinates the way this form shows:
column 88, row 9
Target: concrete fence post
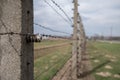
column 16, row 56
column 74, row 47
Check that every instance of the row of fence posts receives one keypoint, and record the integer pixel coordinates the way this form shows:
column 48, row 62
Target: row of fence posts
column 81, row 46
column 79, row 52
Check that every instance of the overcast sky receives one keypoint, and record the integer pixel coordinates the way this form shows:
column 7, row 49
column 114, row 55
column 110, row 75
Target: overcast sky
column 98, row 16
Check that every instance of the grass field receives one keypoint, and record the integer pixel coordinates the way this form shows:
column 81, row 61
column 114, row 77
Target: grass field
column 50, row 60
column 105, row 58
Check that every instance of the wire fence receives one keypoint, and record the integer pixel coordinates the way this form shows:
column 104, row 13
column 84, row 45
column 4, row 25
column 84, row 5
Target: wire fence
column 62, row 11
column 79, row 51
column 57, row 12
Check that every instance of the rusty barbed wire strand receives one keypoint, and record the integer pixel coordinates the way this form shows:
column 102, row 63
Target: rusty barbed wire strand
column 24, row 34
column 50, row 29
column 62, row 10
column 12, row 33
column 57, row 12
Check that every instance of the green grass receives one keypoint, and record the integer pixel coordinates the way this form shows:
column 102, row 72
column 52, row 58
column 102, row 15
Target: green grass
column 98, row 51
column 52, row 59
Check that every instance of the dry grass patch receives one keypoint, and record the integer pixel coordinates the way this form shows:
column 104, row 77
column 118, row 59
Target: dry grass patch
column 108, row 67
column 104, row 74
column 116, row 76
column 110, row 56
column 96, row 61
column 113, row 60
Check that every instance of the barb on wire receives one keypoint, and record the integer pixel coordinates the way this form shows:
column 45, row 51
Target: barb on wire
column 62, row 10
column 50, row 29
column 12, row 33
column 57, row 12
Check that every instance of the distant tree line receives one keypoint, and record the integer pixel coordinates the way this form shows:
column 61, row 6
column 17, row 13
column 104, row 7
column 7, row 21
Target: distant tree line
column 98, row 37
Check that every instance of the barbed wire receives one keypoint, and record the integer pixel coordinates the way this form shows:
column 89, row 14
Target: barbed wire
column 50, row 29
column 62, row 10
column 57, row 12
column 25, row 34
column 9, row 32
column 12, row 33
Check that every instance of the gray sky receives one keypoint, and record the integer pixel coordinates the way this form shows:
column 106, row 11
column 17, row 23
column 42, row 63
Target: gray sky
column 98, row 16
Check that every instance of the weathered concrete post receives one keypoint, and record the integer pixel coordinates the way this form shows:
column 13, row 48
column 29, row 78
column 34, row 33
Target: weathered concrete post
column 16, row 56
column 83, row 37
column 74, row 48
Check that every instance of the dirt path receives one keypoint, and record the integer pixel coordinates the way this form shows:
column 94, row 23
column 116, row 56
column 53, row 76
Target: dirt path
column 87, row 68
column 64, row 73
column 51, row 46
